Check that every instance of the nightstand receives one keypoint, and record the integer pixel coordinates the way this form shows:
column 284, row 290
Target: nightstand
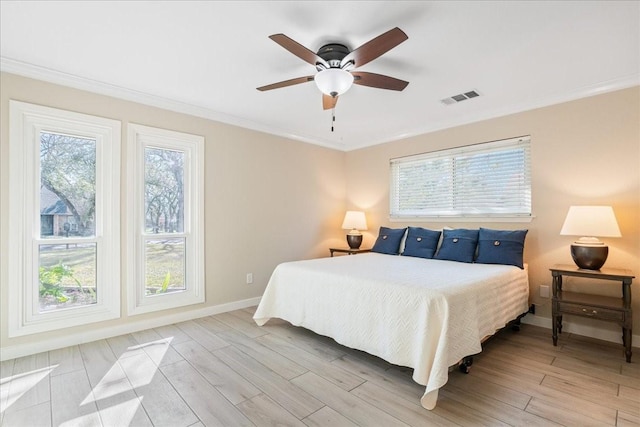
column 611, row 309
column 348, row 251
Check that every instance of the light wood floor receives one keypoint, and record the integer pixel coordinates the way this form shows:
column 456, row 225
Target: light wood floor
column 225, row 370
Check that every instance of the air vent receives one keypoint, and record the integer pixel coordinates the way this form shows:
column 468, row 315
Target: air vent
column 459, row 98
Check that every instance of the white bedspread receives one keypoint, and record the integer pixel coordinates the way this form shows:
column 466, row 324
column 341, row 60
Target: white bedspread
column 421, row 313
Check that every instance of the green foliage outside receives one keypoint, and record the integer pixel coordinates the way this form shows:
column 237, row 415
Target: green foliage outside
column 164, row 266
column 51, row 283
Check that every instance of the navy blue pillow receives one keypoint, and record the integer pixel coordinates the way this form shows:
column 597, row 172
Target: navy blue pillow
column 421, row 242
column 501, row 247
column 388, row 241
column 458, row 245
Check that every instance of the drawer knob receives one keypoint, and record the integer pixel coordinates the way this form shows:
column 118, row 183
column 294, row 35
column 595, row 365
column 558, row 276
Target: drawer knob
column 584, row 310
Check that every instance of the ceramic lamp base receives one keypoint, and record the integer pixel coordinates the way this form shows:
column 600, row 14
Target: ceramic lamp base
column 589, row 257
column 354, row 240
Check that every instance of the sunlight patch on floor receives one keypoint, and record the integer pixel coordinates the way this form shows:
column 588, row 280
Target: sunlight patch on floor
column 120, row 414
column 132, row 370
column 118, row 389
column 14, row 387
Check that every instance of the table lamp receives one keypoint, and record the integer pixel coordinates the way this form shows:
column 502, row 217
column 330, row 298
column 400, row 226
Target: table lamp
column 591, row 222
column 354, row 221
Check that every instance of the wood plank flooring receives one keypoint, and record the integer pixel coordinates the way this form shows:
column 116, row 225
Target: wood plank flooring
column 224, row 370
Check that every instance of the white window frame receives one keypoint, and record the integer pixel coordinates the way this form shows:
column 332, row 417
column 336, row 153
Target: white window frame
column 27, row 121
column 140, row 137
column 490, row 215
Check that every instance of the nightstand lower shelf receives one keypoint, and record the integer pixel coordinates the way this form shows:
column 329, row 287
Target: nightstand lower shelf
column 610, row 309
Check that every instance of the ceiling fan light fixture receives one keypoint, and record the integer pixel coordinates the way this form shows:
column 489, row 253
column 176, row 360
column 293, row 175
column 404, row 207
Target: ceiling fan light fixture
column 333, row 81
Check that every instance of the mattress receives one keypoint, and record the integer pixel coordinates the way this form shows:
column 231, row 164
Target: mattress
column 421, row 313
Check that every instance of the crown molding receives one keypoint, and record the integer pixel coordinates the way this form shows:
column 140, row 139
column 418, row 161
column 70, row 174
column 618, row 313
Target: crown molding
column 36, row 72
column 24, row 69
column 613, row 85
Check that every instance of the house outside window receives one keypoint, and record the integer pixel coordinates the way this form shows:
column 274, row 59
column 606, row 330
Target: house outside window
column 64, row 192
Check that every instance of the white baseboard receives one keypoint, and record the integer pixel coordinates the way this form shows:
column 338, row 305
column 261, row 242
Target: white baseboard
column 14, row 351
column 583, row 330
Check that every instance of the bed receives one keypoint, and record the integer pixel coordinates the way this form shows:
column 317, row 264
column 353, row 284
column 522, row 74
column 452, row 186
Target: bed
column 426, row 314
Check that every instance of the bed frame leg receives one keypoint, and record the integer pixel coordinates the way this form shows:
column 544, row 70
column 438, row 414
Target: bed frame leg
column 465, row 365
column 515, row 324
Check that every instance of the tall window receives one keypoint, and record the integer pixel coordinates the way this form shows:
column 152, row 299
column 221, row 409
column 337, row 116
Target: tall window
column 166, row 222
column 484, row 180
column 64, row 192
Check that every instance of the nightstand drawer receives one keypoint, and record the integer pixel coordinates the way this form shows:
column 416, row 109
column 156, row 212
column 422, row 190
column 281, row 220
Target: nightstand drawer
column 587, row 311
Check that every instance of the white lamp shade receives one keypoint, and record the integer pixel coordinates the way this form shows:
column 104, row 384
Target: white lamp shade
column 333, row 81
column 354, row 220
column 592, row 221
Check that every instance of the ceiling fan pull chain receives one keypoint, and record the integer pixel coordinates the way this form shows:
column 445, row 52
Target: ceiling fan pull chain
column 333, row 117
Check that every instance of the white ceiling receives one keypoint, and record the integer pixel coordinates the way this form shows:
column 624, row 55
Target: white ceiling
column 207, row 58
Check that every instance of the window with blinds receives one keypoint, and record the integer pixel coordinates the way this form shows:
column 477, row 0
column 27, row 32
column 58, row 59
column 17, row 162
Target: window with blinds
column 484, row 180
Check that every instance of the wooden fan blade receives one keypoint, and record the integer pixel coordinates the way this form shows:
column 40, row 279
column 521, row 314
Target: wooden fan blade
column 298, row 50
column 375, row 47
column 329, row 102
column 378, row 80
column 286, row 83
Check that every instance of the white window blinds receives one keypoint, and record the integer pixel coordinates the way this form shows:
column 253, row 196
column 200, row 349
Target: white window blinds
column 482, row 180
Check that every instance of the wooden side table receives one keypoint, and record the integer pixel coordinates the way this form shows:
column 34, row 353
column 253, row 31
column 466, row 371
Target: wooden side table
column 348, row 251
column 611, row 309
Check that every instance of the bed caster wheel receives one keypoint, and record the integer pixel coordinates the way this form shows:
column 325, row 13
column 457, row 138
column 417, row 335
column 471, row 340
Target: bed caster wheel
column 515, row 328
column 465, row 365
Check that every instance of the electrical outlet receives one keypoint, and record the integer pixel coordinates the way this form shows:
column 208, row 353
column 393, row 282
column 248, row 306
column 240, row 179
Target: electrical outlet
column 544, row 291
column 249, row 278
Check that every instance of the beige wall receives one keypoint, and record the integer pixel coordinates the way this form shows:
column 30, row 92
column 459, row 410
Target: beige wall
column 270, row 199
column 267, row 199
column 583, row 152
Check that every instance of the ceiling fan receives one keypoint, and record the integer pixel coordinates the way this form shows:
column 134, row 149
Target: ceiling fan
column 335, row 65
